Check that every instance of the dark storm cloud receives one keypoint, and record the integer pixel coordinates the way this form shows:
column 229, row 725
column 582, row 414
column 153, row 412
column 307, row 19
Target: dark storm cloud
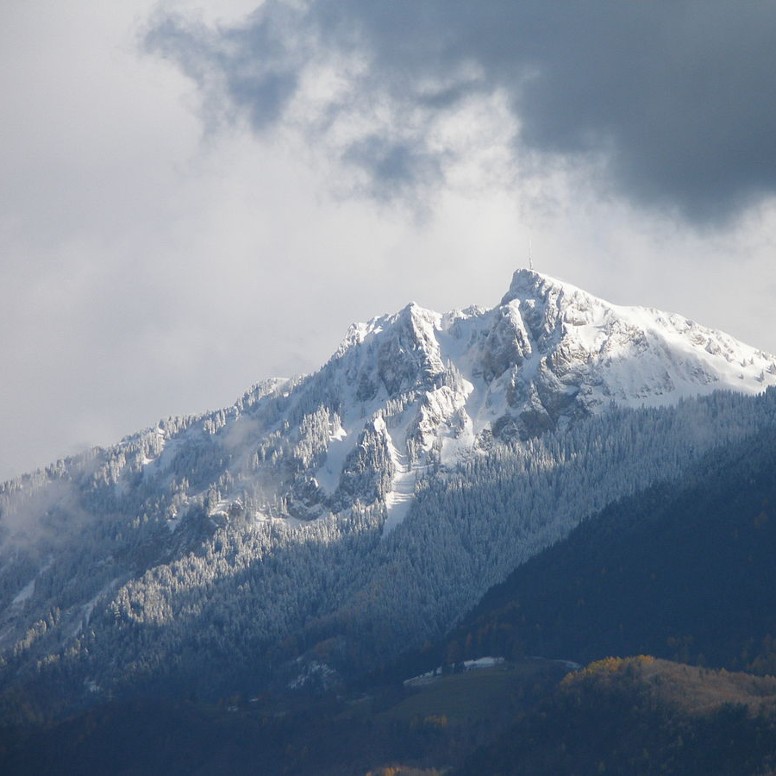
column 252, row 69
column 398, row 167
column 672, row 101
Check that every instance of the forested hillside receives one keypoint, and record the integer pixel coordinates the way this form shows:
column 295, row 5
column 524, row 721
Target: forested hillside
column 682, row 570
column 641, row 716
column 323, row 525
column 338, row 590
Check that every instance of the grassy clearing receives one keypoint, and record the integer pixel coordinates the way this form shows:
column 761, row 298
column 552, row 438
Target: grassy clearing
column 480, row 695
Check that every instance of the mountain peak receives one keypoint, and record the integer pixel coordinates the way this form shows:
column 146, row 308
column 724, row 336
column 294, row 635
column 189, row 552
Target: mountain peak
column 528, row 284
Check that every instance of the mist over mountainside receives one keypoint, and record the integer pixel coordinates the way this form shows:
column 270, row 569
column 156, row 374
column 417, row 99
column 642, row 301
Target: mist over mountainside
column 324, row 523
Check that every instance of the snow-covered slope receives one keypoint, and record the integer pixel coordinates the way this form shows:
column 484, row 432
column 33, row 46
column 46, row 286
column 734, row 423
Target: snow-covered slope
column 633, row 356
column 548, row 354
column 381, row 494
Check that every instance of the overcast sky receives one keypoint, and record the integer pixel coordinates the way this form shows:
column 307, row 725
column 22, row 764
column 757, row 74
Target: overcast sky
column 198, row 195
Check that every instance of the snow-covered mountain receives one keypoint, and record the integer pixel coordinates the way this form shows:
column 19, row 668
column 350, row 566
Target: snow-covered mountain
column 547, row 354
column 381, row 495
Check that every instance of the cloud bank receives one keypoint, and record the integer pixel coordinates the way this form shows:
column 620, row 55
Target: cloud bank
column 668, row 104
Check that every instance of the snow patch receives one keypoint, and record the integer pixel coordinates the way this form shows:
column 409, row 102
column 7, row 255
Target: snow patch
column 26, row 592
column 399, row 499
column 29, row 589
column 341, row 444
column 479, row 664
column 88, row 608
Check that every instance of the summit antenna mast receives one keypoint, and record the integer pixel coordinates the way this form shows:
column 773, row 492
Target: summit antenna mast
column 530, row 257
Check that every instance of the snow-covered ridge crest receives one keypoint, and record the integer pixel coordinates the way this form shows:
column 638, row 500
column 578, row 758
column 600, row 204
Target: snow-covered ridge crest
column 632, row 356
column 429, row 388
column 549, row 352
column 418, row 389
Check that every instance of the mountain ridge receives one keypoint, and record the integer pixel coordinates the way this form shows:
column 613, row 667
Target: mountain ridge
column 329, row 520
